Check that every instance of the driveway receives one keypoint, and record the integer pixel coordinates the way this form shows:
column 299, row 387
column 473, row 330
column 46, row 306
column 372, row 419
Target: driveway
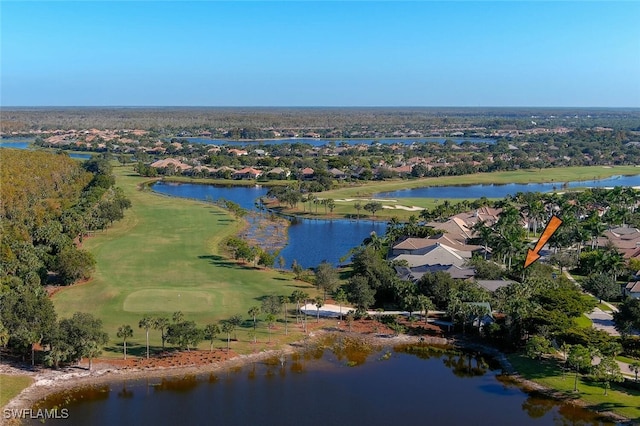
column 603, row 321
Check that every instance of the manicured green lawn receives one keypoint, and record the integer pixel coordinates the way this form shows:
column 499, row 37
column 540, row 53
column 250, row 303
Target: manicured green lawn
column 604, row 307
column 559, row 175
column 547, row 373
column 626, row 359
column 347, row 196
column 164, row 257
column 11, row 385
column 583, row 321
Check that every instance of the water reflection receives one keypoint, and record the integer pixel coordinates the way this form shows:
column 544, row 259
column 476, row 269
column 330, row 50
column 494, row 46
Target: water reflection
column 318, row 385
column 332, row 239
column 501, row 191
column 176, row 384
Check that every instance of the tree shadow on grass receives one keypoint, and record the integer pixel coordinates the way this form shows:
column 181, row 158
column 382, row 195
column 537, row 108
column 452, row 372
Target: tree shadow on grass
column 300, row 285
column 537, row 369
column 226, row 263
column 133, row 349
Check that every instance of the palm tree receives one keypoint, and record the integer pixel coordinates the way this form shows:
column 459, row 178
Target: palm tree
column 125, row 332
column 374, row 241
column 228, row 328
column 146, row 322
column 331, row 203
column 485, row 234
column 161, row 323
column 270, row 319
column 595, row 227
column 298, row 296
column 235, row 320
column 425, row 305
column 319, row 304
column 283, row 302
column 340, row 297
column 254, row 312
column 358, row 206
column 535, row 212
column 635, row 367
column 210, row 332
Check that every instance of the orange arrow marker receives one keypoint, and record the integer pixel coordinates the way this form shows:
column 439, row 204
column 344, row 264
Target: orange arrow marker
column 552, row 226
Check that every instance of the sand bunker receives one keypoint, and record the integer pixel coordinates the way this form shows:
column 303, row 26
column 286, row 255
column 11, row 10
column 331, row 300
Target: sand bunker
column 399, row 207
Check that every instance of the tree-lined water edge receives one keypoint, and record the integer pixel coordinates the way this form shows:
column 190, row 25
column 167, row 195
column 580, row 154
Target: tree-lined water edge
column 340, row 380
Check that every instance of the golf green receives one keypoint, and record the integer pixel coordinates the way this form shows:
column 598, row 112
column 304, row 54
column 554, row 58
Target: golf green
column 164, row 257
column 159, row 300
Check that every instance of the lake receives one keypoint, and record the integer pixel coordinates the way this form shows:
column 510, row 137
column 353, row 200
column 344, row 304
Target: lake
column 501, row 191
column 309, row 241
column 313, row 241
column 23, row 143
column 15, row 143
column 342, row 385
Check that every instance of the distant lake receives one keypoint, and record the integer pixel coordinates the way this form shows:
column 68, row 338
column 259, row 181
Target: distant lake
column 24, row 143
column 323, row 387
column 16, row 143
column 245, row 196
column 310, row 241
column 501, row 191
column 338, row 142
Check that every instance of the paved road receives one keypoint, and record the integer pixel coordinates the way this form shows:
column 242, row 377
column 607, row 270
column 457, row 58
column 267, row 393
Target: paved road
column 603, row 321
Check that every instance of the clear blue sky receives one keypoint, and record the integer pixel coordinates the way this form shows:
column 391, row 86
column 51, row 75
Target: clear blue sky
column 211, row 53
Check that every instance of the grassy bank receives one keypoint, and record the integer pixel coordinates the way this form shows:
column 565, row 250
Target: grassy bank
column 403, row 208
column 12, row 385
column 226, row 182
column 164, row 257
column 559, row 175
column 547, row 373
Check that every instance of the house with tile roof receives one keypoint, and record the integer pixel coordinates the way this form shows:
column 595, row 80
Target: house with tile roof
column 420, row 245
column 247, row 173
column 438, row 254
column 169, row 162
column 632, row 289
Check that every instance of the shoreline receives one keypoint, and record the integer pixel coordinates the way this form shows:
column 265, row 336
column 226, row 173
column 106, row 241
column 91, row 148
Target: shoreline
column 50, row 382
column 47, row 382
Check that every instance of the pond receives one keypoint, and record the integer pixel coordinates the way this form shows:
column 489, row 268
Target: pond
column 309, row 241
column 501, row 191
column 24, row 143
column 323, row 386
column 15, row 143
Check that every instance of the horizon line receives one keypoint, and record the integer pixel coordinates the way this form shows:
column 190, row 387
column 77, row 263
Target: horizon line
column 320, row 106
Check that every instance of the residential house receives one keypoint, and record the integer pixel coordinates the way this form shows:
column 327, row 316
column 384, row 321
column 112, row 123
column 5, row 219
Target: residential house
column 171, row 162
column 247, row 173
column 438, row 254
column 278, row 173
column 455, row 228
column 625, row 239
column 337, row 174
column 632, row 289
column 307, row 173
column 493, row 285
column 419, row 246
column 414, row 274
